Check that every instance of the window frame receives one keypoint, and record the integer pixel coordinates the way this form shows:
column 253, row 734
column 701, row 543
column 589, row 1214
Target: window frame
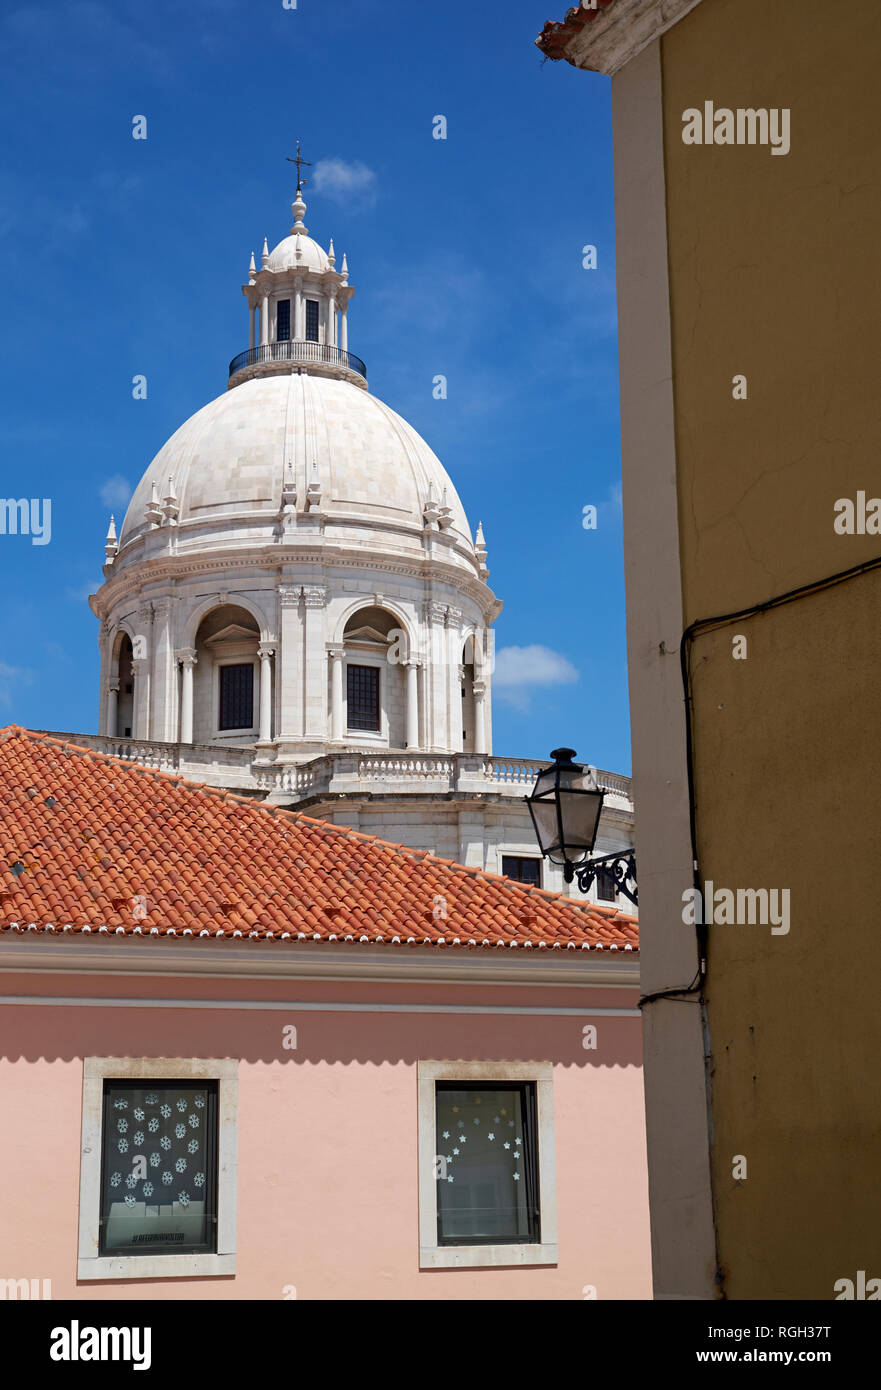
column 278, row 316
column 225, row 666
column 211, row 1133
column 521, row 859
column 91, row 1264
column 432, row 1255
column 529, row 1129
column 352, row 666
column 306, row 317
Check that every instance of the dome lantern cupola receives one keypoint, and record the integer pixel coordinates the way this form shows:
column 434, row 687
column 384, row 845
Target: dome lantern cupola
column 298, row 309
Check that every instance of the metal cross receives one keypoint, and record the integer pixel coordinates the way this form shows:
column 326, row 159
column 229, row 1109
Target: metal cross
column 301, row 183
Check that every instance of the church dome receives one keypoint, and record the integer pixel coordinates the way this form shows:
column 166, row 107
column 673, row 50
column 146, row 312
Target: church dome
column 297, row 253
column 304, row 443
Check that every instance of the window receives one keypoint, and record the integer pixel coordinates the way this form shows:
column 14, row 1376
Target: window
column 522, row 869
column 487, row 1190
column 133, row 1222
column 158, row 1168
column 312, row 320
column 363, row 697
column 283, row 320
column 236, row 697
column 606, row 887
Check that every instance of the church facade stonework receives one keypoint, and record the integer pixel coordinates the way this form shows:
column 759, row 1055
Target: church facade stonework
column 295, row 605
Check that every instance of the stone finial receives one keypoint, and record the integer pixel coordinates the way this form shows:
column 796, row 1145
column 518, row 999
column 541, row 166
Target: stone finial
column 344, row 268
column 313, row 491
column 331, row 257
column 111, row 546
column 153, row 509
column 252, row 268
column 431, row 510
column 445, row 518
column 265, row 256
column 170, row 504
column 298, row 208
column 480, row 550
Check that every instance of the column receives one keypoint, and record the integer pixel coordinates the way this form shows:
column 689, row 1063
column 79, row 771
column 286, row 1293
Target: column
column 187, row 658
column 142, row 651
column 290, row 679
column 299, row 330
column 252, row 309
column 336, row 694
column 437, row 693
column 331, row 322
column 112, row 699
column 265, row 653
column 454, row 684
column 413, row 704
column 315, row 665
column 344, row 329
column 264, row 320
column 163, row 694
column 479, row 690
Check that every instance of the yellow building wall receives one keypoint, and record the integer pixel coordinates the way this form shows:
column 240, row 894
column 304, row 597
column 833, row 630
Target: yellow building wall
column 775, row 273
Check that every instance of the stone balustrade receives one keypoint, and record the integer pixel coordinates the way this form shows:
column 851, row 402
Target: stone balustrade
column 347, row 771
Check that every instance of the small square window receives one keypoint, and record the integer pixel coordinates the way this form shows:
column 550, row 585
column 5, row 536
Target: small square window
column 236, row 697
column 283, row 320
column 606, row 887
column 488, row 1185
column 312, row 320
column 522, row 869
column 362, row 698
column 158, row 1168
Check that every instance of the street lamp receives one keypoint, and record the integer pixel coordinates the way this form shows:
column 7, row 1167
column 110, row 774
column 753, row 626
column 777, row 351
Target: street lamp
column 565, row 807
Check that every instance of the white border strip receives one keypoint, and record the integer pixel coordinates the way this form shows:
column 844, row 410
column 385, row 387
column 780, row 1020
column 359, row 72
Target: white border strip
column 311, row 1006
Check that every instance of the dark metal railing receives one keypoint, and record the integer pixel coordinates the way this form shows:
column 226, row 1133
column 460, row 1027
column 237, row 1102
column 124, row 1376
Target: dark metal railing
column 297, row 350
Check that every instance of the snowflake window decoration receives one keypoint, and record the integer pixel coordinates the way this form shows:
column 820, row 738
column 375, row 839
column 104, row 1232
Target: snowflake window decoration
column 199, row 1102
column 129, row 1199
column 122, row 1126
column 165, row 1111
column 165, row 1142
column 148, row 1189
column 138, row 1138
column 182, row 1104
column 123, row 1146
column 192, row 1146
column 131, row 1181
column 120, row 1105
column 115, row 1179
column 184, row 1198
column 193, row 1121
column 167, row 1178
column 139, row 1114
column 199, row 1179
column 152, row 1098
column 153, row 1125
column 180, row 1131
column 155, row 1160
column 181, row 1165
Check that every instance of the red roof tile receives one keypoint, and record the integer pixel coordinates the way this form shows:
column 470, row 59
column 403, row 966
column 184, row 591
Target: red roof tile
column 89, row 843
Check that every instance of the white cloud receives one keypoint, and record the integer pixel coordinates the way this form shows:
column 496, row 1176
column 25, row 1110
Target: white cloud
column 11, row 676
column 116, row 492
column 518, row 670
column 345, row 182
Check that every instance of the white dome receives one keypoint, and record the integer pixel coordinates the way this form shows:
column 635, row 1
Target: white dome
column 311, row 256
column 229, row 462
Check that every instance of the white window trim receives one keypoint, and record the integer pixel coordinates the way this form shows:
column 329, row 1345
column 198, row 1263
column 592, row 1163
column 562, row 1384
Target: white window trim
column 434, row 1256
column 378, row 736
column 90, row 1265
column 232, row 658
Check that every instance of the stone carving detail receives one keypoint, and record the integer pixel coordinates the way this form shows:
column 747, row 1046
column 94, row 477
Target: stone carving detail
column 314, row 597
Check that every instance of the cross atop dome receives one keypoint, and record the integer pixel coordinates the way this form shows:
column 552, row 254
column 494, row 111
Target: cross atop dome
column 301, row 182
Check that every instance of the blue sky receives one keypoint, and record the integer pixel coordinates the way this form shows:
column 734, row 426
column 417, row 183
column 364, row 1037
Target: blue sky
column 125, row 257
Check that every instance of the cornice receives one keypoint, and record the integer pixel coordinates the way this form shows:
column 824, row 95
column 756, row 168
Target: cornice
column 318, row 961
column 605, row 36
column 271, row 559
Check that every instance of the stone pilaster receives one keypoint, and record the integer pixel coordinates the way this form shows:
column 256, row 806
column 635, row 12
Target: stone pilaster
column 289, row 661
column 315, row 663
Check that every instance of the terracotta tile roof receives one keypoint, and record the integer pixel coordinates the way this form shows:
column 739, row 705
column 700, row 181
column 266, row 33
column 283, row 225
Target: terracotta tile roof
column 90, row 843
column 557, row 35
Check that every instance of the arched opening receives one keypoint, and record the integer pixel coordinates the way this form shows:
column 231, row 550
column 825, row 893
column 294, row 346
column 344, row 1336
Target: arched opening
column 125, row 701
column 466, row 682
column 225, row 697
column 374, row 694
